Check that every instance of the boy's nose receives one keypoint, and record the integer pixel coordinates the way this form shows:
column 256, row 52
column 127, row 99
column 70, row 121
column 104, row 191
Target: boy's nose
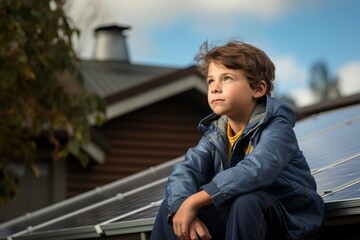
column 215, row 88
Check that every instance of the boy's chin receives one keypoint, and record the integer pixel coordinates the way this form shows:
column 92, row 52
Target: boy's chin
column 217, row 112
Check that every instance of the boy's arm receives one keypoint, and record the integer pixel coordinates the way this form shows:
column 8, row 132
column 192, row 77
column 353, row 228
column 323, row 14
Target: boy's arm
column 188, row 176
column 186, row 214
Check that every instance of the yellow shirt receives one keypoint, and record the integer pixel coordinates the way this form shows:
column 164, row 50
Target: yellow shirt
column 232, row 138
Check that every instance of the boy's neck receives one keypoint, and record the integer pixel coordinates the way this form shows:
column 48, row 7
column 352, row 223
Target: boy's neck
column 238, row 123
column 237, row 126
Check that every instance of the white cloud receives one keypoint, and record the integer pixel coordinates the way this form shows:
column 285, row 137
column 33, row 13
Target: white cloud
column 165, row 11
column 349, row 76
column 289, row 70
column 259, row 9
column 146, row 16
column 303, row 97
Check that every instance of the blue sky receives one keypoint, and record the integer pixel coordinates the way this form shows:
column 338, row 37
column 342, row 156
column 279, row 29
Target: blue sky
column 294, row 34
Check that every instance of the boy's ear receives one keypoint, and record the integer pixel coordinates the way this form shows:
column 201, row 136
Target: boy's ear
column 260, row 89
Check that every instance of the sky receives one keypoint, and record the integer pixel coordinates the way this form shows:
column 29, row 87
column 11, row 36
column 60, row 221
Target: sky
column 294, row 34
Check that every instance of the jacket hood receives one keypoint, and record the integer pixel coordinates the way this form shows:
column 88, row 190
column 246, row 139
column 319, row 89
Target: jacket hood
column 263, row 112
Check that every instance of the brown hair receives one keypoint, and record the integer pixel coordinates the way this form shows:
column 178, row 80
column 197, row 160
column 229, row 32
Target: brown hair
column 255, row 64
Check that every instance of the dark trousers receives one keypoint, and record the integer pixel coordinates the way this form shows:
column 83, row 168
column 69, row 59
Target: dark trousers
column 250, row 216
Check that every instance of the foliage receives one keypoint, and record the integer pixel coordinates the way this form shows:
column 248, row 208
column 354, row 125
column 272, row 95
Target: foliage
column 41, row 88
column 322, row 83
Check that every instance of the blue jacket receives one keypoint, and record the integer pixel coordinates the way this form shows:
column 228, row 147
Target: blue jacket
column 266, row 156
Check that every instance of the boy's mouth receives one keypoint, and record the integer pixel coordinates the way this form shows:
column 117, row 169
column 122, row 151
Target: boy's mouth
column 217, row 100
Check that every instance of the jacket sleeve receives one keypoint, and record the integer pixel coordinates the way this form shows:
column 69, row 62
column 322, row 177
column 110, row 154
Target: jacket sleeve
column 188, row 176
column 275, row 147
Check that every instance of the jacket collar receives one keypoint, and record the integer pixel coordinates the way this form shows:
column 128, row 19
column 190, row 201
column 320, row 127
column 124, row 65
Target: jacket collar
column 220, row 122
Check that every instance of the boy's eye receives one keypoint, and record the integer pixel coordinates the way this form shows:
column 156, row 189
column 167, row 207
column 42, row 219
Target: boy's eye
column 210, row 81
column 227, row 78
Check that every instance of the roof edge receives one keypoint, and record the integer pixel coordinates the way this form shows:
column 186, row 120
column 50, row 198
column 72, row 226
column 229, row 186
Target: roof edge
column 326, row 105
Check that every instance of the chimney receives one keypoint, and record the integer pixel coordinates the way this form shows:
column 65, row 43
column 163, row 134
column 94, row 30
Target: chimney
column 110, row 44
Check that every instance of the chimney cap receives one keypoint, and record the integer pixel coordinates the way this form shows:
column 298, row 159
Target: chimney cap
column 111, row 43
column 111, row 28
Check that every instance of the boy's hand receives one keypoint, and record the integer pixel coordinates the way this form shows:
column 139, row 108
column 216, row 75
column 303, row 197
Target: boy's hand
column 182, row 219
column 198, row 229
column 185, row 225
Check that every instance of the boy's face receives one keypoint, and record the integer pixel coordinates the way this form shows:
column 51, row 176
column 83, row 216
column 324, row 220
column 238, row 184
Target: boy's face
column 229, row 92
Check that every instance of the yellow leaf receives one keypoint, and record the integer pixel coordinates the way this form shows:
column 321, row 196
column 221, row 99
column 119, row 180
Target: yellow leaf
column 29, row 73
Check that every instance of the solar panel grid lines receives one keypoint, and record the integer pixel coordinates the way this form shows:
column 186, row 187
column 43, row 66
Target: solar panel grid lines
column 332, row 150
column 340, row 181
column 340, row 143
column 341, row 187
column 93, row 214
column 20, row 224
column 31, row 229
column 101, row 228
column 330, row 128
column 146, row 207
column 316, row 171
column 347, row 194
column 149, row 213
column 128, row 201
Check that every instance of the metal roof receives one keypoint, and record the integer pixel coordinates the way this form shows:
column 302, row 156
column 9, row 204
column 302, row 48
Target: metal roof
column 329, row 141
column 110, row 77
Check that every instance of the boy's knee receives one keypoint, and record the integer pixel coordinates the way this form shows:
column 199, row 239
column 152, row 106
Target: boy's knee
column 252, row 201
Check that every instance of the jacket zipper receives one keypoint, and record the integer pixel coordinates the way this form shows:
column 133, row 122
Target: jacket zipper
column 255, row 129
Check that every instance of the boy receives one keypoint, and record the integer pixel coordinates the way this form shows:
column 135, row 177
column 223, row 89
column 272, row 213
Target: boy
column 246, row 178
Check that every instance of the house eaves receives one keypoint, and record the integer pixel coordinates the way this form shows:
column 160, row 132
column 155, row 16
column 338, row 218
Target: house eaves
column 153, row 91
column 106, row 78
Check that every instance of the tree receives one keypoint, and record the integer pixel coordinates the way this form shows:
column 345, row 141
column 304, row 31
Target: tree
column 322, row 83
column 41, row 88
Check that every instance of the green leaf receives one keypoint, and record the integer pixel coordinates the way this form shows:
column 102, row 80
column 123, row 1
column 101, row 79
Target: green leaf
column 99, row 119
column 84, row 160
column 74, row 147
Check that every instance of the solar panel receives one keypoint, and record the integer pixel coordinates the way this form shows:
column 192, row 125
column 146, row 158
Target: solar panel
column 330, row 145
column 94, row 207
column 351, row 191
column 325, row 120
column 116, row 207
column 335, row 179
column 329, row 142
column 332, row 149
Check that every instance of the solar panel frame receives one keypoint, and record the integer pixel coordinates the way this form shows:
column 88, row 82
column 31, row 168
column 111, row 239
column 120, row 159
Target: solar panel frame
column 85, row 232
column 343, row 208
column 126, row 227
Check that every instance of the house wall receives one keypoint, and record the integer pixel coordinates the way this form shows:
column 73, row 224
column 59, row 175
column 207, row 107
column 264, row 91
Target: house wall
column 143, row 138
column 36, row 193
